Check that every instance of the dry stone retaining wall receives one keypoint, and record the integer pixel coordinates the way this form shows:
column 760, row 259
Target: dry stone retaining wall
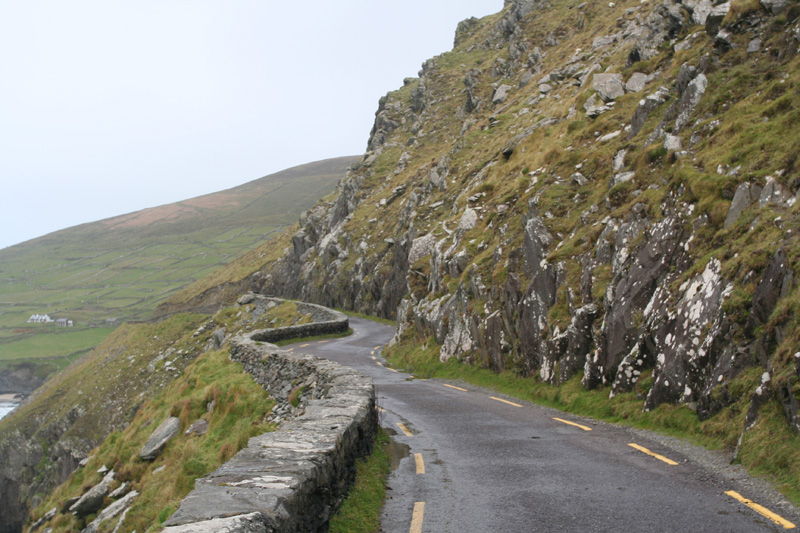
column 326, row 321
column 292, row 479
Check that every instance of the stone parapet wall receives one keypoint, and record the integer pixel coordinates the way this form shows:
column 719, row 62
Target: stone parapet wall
column 326, row 322
column 295, row 478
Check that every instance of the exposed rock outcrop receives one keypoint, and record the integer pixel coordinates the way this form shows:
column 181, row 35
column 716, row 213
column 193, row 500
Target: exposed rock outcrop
column 168, row 429
column 494, row 243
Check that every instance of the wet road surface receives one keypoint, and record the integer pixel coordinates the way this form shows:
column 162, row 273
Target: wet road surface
column 481, row 462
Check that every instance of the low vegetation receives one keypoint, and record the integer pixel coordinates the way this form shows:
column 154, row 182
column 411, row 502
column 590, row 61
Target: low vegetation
column 360, row 512
column 213, row 389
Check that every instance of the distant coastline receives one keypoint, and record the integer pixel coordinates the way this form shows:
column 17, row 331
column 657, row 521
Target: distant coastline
column 8, row 402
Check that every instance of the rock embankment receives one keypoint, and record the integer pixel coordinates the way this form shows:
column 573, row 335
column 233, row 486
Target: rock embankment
column 292, row 479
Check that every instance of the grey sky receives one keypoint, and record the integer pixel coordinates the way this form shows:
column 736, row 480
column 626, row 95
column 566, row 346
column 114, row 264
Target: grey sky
column 108, row 107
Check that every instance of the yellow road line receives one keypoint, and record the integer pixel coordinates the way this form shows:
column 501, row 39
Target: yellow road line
column 381, row 409
column 392, row 369
column 573, row 424
column 378, row 363
column 651, row 454
column 377, row 347
column 417, row 517
column 372, row 352
column 290, row 349
column 404, row 429
column 322, row 342
column 454, row 387
column 373, row 358
column 505, row 401
column 781, row 521
column 304, row 345
column 420, row 463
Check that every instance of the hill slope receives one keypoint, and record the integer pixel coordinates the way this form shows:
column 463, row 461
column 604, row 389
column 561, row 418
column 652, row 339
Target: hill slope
column 123, row 267
column 590, row 193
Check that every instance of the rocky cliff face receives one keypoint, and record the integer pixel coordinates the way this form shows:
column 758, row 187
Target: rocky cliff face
column 583, row 189
column 22, row 378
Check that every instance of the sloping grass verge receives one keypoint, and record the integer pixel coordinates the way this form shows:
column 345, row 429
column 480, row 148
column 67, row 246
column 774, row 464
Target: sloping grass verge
column 212, row 388
column 360, row 511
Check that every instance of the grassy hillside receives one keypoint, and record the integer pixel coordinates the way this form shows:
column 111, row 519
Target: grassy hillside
column 140, row 375
column 122, row 268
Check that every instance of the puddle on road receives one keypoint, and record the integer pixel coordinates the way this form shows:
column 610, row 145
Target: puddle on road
column 397, row 450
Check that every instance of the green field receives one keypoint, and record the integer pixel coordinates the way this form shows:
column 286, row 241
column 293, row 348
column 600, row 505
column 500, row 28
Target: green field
column 48, row 341
column 122, row 268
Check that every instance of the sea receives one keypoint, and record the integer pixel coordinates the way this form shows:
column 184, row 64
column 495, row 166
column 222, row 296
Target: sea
column 7, row 407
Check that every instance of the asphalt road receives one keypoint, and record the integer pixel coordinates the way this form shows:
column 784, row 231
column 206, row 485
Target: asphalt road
column 494, row 466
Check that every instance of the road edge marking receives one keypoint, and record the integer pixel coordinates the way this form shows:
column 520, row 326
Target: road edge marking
column 404, row 429
column 653, row 454
column 505, row 401
column 763, row 511
column 420, row 463
column 417, row 517
column 585, row 428
column 454, row 387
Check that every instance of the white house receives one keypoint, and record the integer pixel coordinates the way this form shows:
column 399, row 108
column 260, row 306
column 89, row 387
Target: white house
column 40, row 319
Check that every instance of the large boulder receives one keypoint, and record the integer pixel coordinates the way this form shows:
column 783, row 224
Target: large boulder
column 776, row 7
column 111, row 511
column 636, row 82
column 700, row 10
column 501, row 94
column 690, row 99
column 742, row 199
column 421, row 247
column 647, row 105
column 609, row 86
column 92, row 501
column 715, row 17
column 159, row 438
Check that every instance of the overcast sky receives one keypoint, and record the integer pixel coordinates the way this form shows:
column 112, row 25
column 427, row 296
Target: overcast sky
column 108, row 107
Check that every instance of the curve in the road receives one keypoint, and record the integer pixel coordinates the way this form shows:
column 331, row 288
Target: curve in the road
column 484, row 463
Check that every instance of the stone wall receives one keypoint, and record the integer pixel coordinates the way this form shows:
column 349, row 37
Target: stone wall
column 326, row 321
column 295, row 478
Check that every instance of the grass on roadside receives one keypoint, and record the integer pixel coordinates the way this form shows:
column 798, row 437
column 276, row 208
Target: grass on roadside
column 239, row 409
column 360, row 511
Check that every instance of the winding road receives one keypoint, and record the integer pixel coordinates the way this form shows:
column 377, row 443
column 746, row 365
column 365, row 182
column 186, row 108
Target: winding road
column 481, row 462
